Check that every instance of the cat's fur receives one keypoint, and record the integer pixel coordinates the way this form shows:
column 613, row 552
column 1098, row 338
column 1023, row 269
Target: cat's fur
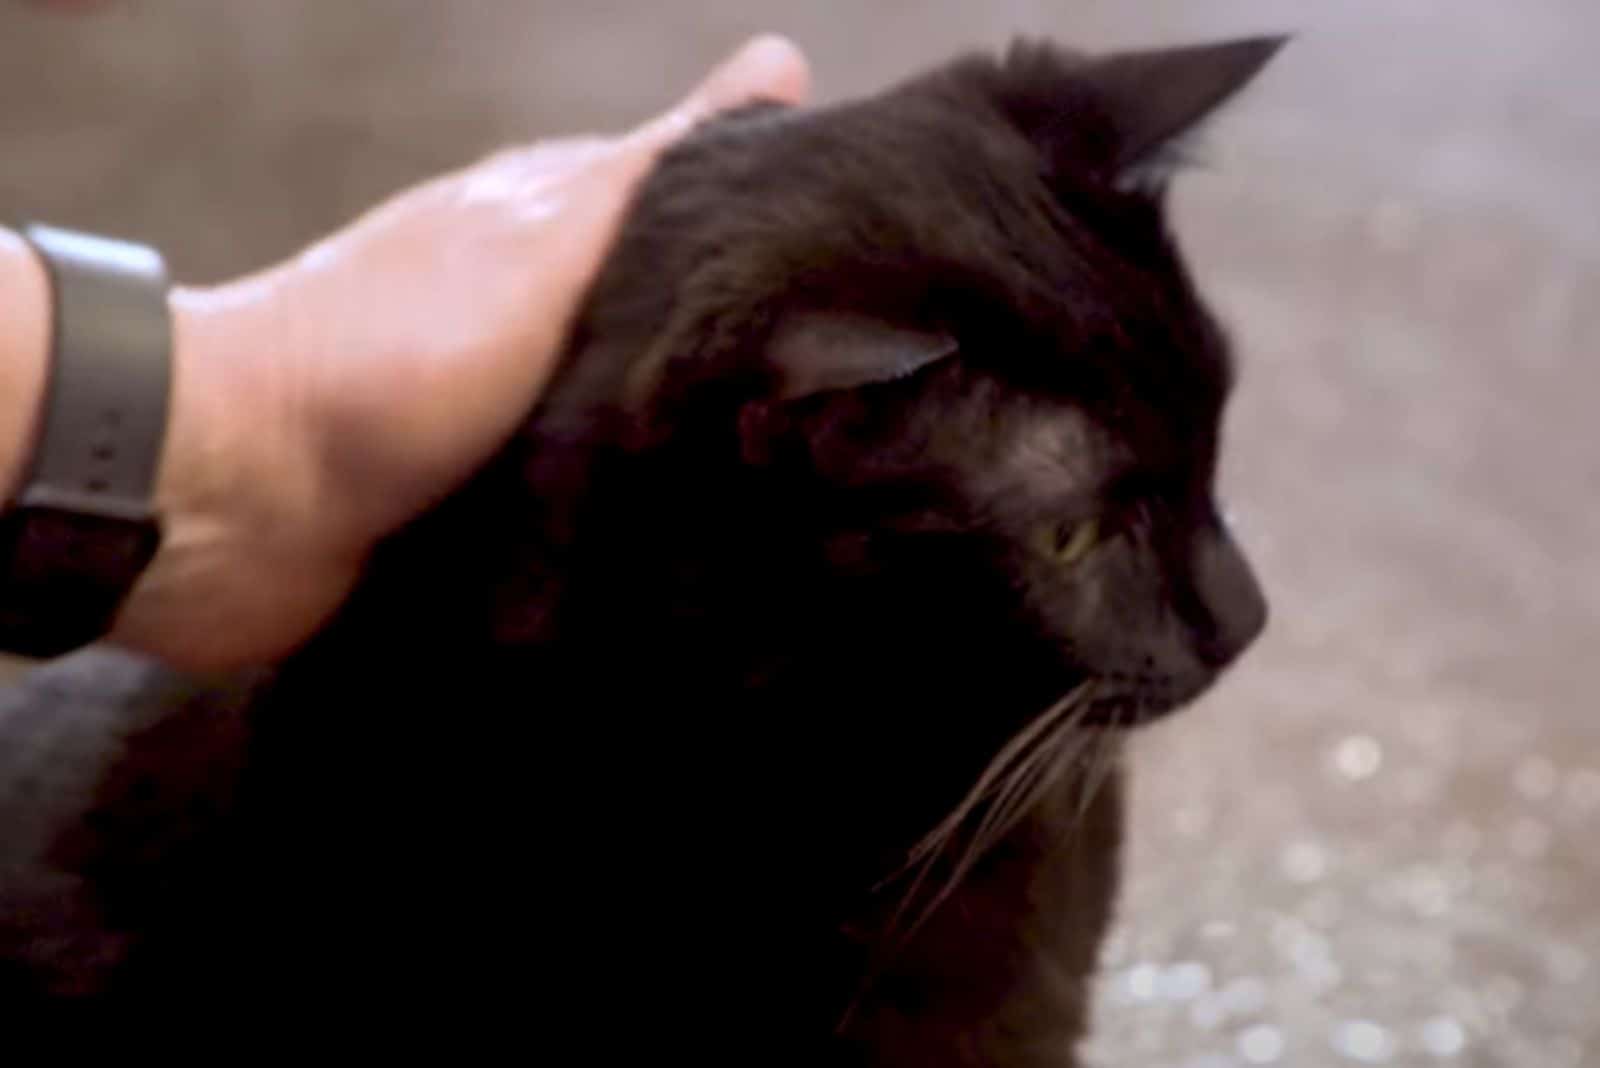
column 630, row 745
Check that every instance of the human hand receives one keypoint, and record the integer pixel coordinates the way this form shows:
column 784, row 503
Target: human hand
column 321, row 404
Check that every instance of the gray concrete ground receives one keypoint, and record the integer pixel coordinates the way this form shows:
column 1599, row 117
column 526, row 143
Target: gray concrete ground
column 1377, row 842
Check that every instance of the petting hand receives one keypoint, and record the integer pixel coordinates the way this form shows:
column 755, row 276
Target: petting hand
column 321, row 404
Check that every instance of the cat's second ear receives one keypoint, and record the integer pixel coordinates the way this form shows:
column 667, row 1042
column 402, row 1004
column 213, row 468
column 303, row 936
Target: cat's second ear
column 815, row 352
column 1154, row 97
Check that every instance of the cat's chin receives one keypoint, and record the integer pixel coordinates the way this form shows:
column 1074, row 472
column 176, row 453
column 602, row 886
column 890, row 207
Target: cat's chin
column 1120, row 712
column 1118, row 699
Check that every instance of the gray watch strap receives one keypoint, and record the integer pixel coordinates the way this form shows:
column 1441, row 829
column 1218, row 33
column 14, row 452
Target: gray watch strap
column 105, row 408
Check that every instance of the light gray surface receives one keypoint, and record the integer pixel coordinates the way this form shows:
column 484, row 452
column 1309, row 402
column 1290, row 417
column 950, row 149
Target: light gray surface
column 1376, row 843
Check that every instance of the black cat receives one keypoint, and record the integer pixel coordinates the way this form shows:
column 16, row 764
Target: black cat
column 759, row 703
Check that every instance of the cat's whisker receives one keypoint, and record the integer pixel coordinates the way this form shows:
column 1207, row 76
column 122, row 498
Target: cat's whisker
column 1012, row 801
column 1102, row 761
column 1013, row 782
column 925, row 856
column 995, row 772
column 1019, row 775
column 1073, row 747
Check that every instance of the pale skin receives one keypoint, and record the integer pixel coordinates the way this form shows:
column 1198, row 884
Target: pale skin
column 321, row 403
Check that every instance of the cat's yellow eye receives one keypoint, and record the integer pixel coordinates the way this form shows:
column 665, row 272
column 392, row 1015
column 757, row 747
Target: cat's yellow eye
column 1074, row 540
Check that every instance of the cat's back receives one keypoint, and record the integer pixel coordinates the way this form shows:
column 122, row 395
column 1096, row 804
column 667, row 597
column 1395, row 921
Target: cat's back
column 117, row 781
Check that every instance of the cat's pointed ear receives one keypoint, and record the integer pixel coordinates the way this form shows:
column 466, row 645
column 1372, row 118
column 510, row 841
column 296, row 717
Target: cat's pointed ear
column 1155, row 97
column 814, row 352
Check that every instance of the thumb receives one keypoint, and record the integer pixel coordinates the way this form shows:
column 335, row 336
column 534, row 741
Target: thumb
column 764, row 68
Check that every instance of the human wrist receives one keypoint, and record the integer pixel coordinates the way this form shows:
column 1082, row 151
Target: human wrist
column 24, row 356
column 227, row 458
column 242, row 572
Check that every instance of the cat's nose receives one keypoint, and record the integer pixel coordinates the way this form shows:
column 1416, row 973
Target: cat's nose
column 1233, row 609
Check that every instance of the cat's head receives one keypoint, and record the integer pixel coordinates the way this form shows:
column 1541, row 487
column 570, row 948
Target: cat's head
column 934, row 357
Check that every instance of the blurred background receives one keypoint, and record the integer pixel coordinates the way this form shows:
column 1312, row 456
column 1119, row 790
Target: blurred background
column 1376, row 843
